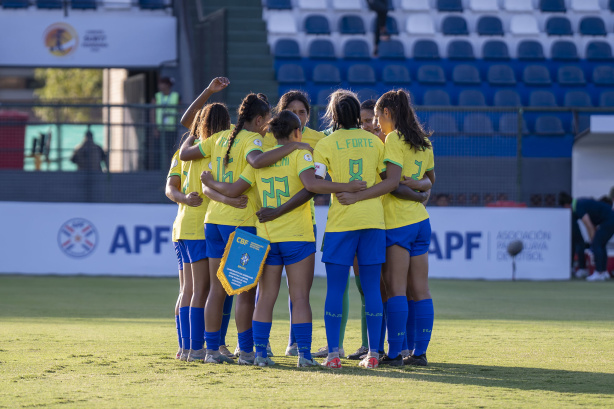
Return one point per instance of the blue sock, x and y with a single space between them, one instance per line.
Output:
226 318
374 309
382 334
213 340
396 320
178 325
411 325
303 338
184 320
292 338
246 340
424 325
197 327
262 332
336 281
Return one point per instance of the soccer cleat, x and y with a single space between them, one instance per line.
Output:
184 354
370 362
246 358
306 363
333 363
597 276
217 358
405 353
414 360
197 355
178 355
261 361
322 352
237 351
292 350
224 351
363 350
269 352
386 360
581 273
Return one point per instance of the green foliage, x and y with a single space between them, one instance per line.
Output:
110 342
73 85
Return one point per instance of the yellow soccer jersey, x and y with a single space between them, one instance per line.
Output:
215 147
415 164
311 137
276 185
191 220
175 170
352 154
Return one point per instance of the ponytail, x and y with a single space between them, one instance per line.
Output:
251 107
284 124
405 120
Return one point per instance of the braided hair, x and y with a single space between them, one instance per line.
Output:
405 120
214 118
343 110
252 106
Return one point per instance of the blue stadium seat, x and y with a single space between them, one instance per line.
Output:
592 26
431 74
436 97
606 99
391 25
603 75
552 6
495 50
530 50
471 98
558 26
508 125
291 73
478 124
287 48
449 5
152 4
426 50
443 123
611 5
454 26
279 4
49 4
361 74
542 99
460 50
490 26
571 76
351 25
548 125
356 49
598 51
326 74
466 75
578 99
501 75
322 49
15 4
391 50
536 75
564 51
317 24
507 98
83 4
367 93
396 74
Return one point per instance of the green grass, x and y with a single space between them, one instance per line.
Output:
110 342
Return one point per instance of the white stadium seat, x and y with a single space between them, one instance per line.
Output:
585 6
118 4
312 4
420 24
484 5
415 5
524 25
281 22
518 6
347 5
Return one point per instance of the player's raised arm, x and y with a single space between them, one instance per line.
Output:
216 85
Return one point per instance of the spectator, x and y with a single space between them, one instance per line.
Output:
443 200
598 218
488 199
381 31
461 199
475 199
88 156
161 147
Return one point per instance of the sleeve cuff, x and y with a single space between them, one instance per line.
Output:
253 149
173 174
308 167
391 161
246 179
430 169
200 148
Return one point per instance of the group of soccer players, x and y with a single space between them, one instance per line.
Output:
261 175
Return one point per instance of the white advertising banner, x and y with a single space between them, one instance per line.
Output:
50 39
135 239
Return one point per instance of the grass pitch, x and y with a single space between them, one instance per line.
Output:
110 342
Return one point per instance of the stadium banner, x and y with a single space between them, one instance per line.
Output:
135 239
86 40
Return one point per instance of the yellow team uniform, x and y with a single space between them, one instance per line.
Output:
175 170
277 184
215 148
400 212
347 155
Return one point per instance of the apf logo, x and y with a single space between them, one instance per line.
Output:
242 241
77 238
60 39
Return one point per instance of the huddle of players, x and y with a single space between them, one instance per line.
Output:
260 176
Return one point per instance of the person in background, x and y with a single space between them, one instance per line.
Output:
380 31
88 155
366 119
162 144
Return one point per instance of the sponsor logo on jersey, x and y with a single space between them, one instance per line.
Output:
308 157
